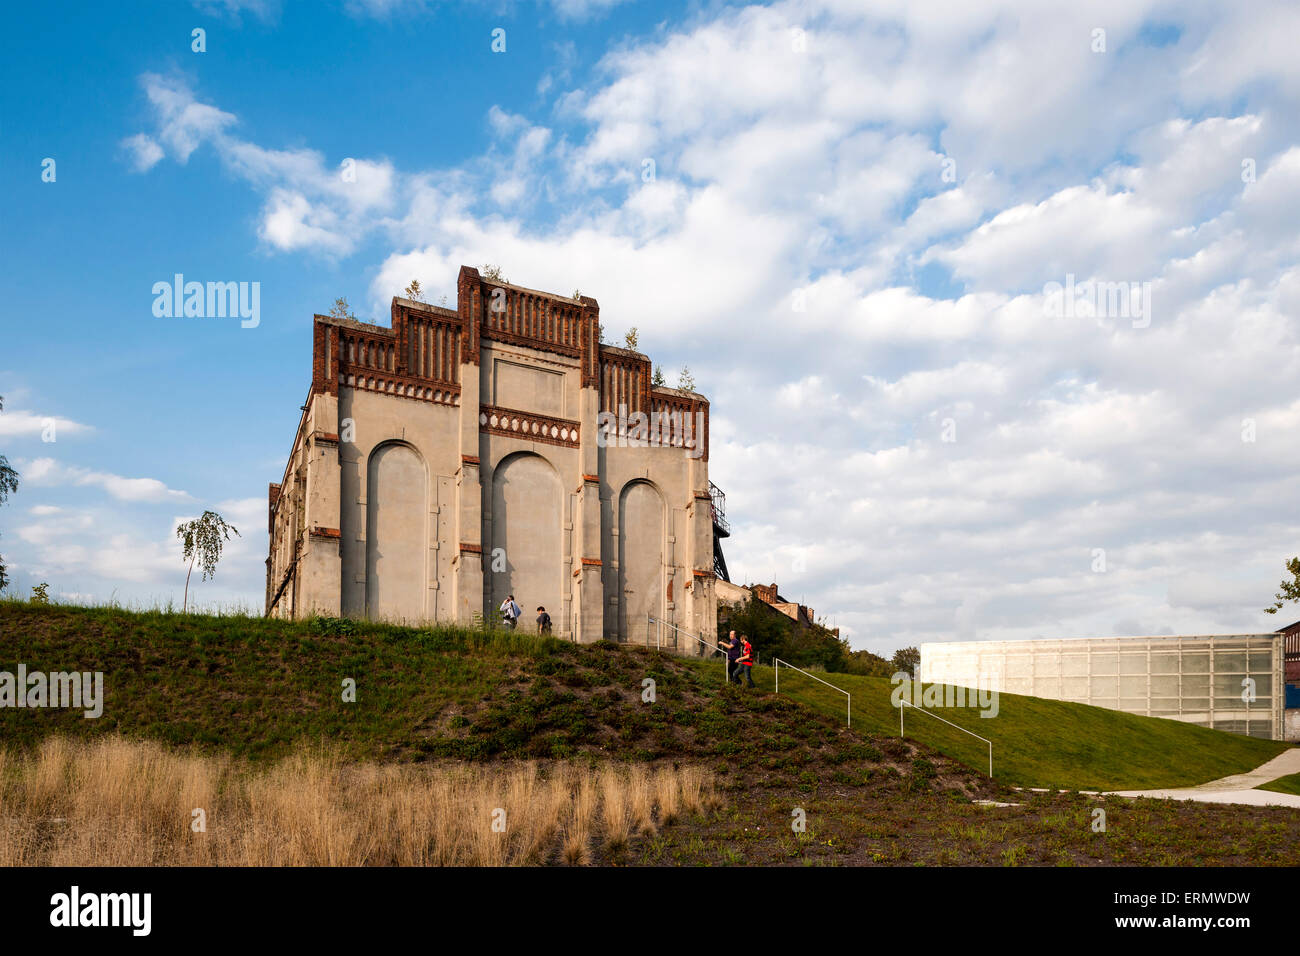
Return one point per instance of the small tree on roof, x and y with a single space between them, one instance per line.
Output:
341 310
8 485
201 541
1290 590
414 292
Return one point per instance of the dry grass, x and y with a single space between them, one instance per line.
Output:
116 802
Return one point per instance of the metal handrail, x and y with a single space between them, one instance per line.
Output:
776 668
903 703
658 643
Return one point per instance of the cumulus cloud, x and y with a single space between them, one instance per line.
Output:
17 422
144 150
49 472
309 203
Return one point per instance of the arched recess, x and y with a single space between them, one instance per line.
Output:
640 558
528 530
397 540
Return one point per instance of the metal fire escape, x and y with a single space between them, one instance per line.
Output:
720 530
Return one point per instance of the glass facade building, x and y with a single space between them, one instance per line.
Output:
1231 682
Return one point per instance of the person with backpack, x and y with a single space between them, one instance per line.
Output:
732 647
543 621
510 612
745 661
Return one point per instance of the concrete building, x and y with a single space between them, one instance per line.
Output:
499 448
1230 682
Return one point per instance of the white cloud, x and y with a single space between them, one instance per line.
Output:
145 151
48 472
20 422
818 170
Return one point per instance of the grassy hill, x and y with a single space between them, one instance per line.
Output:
1041 743
255 687
1288 784
243 695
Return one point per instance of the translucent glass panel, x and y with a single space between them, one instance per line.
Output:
1228 685
1164 686
1133 664
1019 665
1196 685
1195 679
1230 662
1164 663
1074 665
1074 688
1105 687
1105 663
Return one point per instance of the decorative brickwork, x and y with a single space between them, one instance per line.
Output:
516 424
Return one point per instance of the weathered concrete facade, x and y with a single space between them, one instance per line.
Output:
460 456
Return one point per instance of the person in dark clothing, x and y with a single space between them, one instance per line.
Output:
745 662
543 621
732 648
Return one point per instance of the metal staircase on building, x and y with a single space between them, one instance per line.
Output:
720 530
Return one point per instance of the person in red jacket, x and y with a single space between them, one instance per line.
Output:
745 663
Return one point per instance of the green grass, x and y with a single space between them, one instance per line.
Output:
256 687
249 684
1288 784
1038 742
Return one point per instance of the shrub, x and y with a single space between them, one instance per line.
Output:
333 626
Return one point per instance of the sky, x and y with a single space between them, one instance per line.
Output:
886 237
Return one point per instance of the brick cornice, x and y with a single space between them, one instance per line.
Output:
513 423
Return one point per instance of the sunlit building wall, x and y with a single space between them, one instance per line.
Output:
1206 680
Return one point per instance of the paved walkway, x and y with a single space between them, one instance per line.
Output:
1239 788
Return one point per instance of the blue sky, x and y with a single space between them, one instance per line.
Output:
914 175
